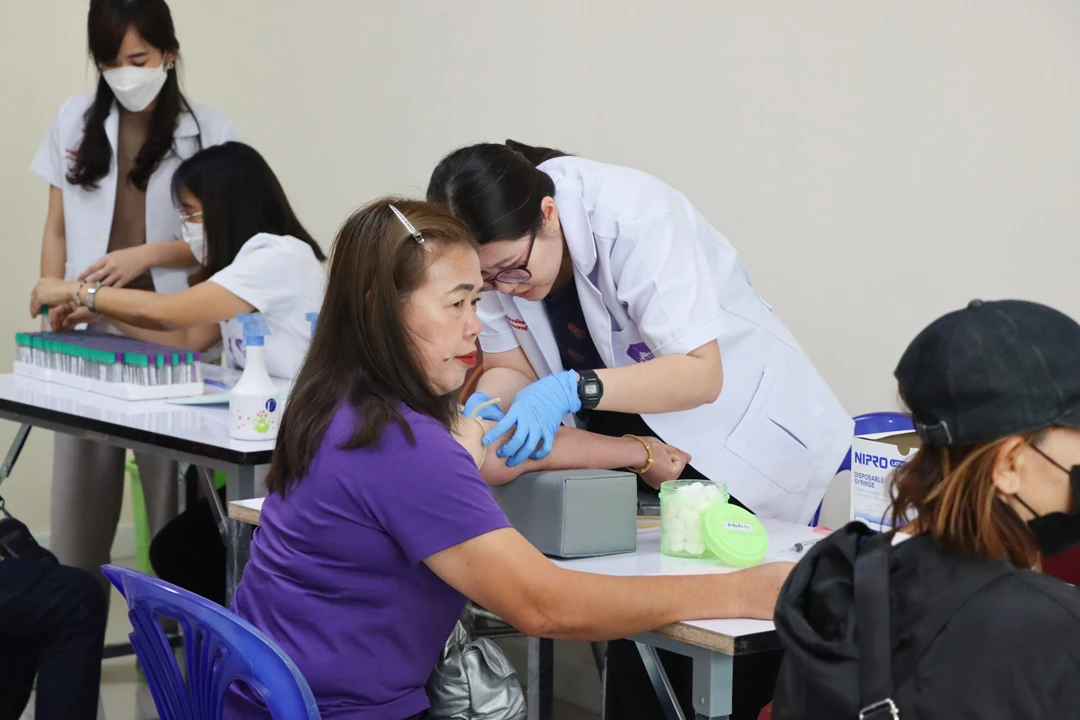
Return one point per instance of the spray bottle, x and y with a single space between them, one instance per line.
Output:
254 406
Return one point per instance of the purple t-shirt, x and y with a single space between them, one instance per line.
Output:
337 577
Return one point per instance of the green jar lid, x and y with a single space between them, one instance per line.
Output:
734 535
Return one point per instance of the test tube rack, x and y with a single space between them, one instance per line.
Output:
113 365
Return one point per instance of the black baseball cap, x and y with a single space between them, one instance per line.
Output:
992 370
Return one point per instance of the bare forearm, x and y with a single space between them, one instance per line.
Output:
53 255
665 384
597 607
174 253
136 308
573 448
193 338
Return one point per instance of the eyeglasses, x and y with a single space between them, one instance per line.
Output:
515 275
188 218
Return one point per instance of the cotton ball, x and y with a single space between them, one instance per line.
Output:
693 532
700 506
696 487
686 514
676 543
695 547
712 491
673 525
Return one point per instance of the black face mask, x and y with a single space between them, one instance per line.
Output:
1057 531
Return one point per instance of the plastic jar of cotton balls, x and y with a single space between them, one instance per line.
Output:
683 504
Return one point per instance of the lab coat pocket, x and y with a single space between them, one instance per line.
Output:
777 435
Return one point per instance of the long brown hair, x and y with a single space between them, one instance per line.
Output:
949 493
361 352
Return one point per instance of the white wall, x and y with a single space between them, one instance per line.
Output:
877 164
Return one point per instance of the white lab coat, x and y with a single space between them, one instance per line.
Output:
654 278
88 214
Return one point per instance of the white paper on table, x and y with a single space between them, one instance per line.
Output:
782 536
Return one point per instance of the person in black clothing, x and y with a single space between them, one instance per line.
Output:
970 628
52 625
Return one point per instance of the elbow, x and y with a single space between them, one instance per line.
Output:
542 623
548 615
495 472
710 390
705 391
710 380
534 623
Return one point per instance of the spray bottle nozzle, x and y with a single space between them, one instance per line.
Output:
255 329
312 317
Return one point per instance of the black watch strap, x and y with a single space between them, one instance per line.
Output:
589 389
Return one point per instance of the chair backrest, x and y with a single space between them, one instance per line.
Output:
219 648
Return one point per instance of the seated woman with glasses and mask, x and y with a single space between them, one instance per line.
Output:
949 615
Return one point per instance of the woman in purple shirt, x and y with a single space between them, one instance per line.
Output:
378 526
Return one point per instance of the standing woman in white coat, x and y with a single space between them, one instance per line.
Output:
109 158
627 308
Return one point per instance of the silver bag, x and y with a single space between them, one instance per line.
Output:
473 680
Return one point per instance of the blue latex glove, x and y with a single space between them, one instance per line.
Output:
491 412
536 414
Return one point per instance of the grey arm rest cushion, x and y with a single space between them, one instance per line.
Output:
573 513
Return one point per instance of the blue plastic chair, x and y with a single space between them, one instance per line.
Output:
870 424
219 648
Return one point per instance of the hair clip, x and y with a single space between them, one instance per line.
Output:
408 226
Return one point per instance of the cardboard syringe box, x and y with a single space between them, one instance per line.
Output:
873 460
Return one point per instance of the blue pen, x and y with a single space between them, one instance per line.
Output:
215 383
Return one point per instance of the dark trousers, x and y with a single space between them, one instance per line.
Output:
188 552
52 624
630 694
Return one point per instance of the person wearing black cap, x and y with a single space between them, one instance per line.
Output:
948 616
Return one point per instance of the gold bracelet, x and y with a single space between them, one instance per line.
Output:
648 452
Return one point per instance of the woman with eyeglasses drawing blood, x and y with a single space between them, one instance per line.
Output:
615 306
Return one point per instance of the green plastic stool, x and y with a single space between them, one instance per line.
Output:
138 512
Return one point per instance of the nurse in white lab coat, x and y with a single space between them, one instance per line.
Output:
673 327
605 273
109 158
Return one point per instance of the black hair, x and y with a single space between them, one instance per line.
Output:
496 190
107 23
241 197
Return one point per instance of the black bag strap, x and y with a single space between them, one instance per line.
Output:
873 631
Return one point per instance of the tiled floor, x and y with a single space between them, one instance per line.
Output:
125 696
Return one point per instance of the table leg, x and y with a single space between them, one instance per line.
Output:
541 678
599 652
669 704
13 451
240 486
713 684
712 675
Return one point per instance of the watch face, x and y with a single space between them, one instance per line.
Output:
592 388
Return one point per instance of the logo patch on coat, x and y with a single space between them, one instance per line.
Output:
518 324
639 352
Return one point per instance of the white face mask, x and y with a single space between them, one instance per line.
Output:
193 235
136 87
